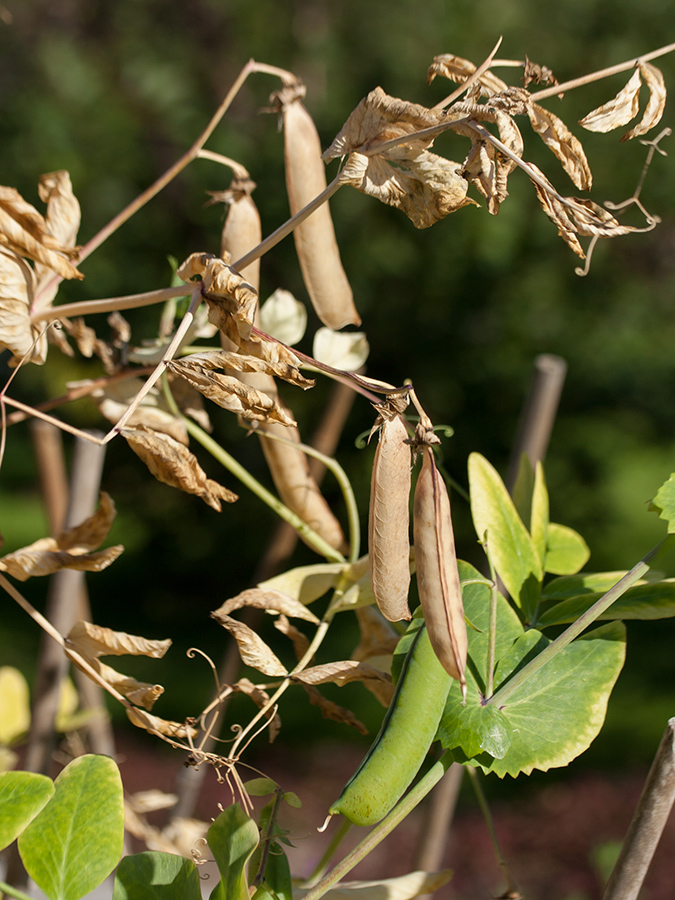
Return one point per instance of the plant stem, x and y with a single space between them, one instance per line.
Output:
586 619
230 463
511 890
385 827
13 892
324 862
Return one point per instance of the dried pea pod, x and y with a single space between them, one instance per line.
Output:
436 566
388 529
315 242
242 230
407 732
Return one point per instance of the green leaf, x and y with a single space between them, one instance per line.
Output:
232 838
643 601
14 704
156 876
278 873
566 550
292 799
76 841
539 516
22 796
586 583
553 716
664 503
260 787
523 489
509 543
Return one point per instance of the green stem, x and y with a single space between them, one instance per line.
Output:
345 486
230 463
323 863
492 626
385 827
512 891
586 619
13 892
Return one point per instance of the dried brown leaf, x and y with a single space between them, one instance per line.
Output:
17 287
344 672
72 549
563 144
93 641
300 640
618 111
253 650
316 246
655 105
459 70
261 698
536 74
230 393
176 730
332 711
62 222
173 464
237 362
228 295
138 692
388 518
271 601
556 211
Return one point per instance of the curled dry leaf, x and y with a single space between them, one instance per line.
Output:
17 288
230 393
72 549
260 698
316 246
228 295
388 518
332 711
300 640
424 186
88 343
154 724
275 602
173 464
253 650
344 672
655 105
237 362
62 222
153 411
93 641
437 575
563 144
459 70
536 74
618 111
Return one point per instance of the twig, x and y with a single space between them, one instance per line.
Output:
647 825
512 890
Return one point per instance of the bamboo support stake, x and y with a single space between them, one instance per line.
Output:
647 825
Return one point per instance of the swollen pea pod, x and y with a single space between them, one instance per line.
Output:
407 732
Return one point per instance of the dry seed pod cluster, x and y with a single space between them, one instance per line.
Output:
388 532
317 249
436 565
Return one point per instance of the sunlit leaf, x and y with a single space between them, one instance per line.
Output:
346 350
253 650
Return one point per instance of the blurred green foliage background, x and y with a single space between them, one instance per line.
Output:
115 92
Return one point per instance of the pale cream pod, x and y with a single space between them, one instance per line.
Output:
388 521
315 242
436 566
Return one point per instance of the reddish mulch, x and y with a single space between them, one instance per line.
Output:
549 837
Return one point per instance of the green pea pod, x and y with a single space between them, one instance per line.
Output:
407 732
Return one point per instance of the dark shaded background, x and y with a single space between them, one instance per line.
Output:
115 92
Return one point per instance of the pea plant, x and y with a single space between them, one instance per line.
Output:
473 666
